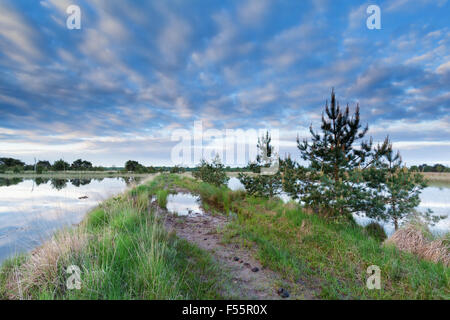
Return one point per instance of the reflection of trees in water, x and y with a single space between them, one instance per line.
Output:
59 184
40 181
131 180
80 182
10 181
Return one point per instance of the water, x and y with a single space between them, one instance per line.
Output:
434 197
31 210
234 184
184 204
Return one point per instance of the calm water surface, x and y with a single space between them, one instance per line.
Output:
184 204
31 210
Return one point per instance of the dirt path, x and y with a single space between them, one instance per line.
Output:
249 279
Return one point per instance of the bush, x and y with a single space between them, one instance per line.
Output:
376 231
60 165
134 166
212 173
81 164
264 184
17 169
176 169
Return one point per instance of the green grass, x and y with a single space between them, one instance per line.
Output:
332 256
161 197
123 252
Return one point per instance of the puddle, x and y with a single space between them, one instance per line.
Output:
184 204
234 184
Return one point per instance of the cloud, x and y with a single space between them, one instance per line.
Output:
252 12
420 144
174 38
136 71
443 68
357 17
18 39
397 5
222 44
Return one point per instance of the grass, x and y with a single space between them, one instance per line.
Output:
437 177
123 252
415 237
161 197
333 256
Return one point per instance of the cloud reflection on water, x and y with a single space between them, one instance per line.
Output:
31 212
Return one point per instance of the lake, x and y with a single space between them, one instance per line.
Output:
435 197
32 209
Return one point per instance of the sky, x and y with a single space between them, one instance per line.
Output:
137 74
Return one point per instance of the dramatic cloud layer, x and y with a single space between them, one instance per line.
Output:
135 72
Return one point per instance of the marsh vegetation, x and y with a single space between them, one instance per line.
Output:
125 252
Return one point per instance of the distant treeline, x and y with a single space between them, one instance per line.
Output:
427 168
42 166
17 166
136 167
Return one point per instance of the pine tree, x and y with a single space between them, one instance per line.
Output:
265 183
399 189
290 176
333 181
213 172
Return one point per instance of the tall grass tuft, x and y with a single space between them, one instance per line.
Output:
42 270
161 197
415 238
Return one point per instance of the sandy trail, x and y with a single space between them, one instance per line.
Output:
246 281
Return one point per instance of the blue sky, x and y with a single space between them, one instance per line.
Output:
118 88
